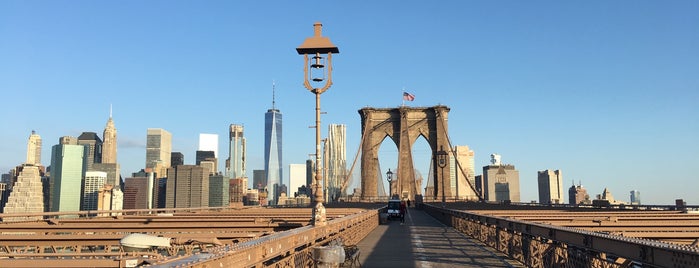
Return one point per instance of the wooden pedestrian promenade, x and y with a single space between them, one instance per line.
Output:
424 242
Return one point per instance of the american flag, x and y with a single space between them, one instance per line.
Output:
409 97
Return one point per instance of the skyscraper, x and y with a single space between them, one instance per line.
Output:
208 142
176 159
158 150
500 182
550 187
297 177
34 149
109 145
273 150
136 193
187 187
94 181
66 174
235 164
337 160
460 180
27 195
93 145
219 195
110 198
259 179
578 195
635 197
112 170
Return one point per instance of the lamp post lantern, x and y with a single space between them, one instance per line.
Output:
389 178
317 46
442 162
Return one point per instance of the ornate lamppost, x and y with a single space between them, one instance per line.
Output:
442 162
318 46
389 178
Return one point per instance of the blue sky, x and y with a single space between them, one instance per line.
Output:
607 92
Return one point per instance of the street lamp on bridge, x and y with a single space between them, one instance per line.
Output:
318 46
389 178
442 162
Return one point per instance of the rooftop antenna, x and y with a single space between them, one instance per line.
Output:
273 84
110 110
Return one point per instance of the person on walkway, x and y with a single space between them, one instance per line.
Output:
408 202
402 212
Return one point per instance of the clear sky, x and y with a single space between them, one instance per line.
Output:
606 91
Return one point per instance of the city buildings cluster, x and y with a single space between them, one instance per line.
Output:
84 175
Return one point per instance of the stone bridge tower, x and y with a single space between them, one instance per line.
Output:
403 125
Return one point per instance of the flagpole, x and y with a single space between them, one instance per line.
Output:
402 98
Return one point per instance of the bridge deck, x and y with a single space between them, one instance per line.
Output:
422 241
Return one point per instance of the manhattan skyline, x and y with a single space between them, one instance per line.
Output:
605 92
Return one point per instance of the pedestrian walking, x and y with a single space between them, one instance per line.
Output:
402 212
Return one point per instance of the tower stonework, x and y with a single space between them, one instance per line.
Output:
403 125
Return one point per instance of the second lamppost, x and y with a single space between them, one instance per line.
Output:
442 162
317 46
389 178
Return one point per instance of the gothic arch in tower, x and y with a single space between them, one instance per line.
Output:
403 125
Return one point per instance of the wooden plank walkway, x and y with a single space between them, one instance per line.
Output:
424 242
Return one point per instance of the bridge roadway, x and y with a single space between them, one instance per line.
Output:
422 241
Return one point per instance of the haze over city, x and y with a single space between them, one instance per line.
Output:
607 92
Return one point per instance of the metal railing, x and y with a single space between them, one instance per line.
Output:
542 245
283 249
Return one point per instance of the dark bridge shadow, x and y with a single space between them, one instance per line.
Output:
424 242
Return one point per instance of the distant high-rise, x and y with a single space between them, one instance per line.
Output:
4 195
337 161
500 182
109 145
635 197
93 145
237 189
297 177
208 160
136 193
204 156
112 170
176 159
94 181
578 195
110 198
550 187
310 171
34 149
259 179
187 187
219 195
209 166
273 149
208 142
67 171
235 164
27 195
466 163
158 150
